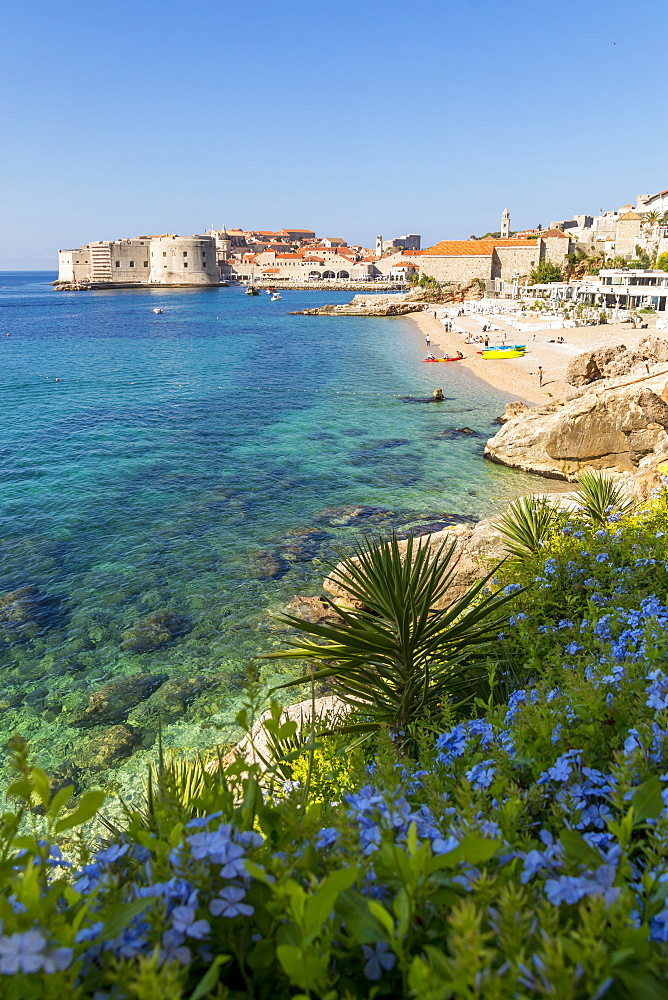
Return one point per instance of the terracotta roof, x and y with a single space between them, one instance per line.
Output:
314 260
271 270
470 248
554 232
629 217
406 263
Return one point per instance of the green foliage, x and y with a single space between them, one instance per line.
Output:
522 854
662 262
598 496
527 524
398 660
544 273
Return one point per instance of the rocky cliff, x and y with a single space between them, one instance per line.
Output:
619 425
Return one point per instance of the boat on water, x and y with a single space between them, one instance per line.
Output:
252 290
276 297
508 353
157 310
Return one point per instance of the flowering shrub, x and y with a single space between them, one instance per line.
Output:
524 855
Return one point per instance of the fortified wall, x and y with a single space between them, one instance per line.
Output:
144 260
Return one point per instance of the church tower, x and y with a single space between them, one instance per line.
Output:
379 246
505 224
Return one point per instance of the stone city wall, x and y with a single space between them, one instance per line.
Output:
507 261
130 261
456 269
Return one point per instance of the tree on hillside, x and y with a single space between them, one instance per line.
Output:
662 262
544 273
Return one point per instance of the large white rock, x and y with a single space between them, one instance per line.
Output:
612 426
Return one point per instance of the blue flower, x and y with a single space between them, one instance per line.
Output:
326 838
184 922
602 557
550 566
562 768
111 854
378 958
512 588
22 952
572 648
230 903
482 775
202 821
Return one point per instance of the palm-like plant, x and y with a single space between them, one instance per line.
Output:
598 496
527 524
399 659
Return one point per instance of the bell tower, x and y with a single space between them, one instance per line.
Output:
505 224
379 246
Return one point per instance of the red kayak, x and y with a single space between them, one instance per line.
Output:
436 360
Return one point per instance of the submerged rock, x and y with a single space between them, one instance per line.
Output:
114 701
352 514
157 629
266 565
20 614
451 434
169 702
302 546
110 747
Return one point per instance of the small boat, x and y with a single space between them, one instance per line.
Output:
276 297
487 355
251 290
428 360
157 310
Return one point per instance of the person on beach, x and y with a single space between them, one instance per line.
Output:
486 341
540 376
427 339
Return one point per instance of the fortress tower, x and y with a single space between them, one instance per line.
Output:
505 224
379 246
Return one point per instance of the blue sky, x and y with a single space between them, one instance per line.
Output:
351 118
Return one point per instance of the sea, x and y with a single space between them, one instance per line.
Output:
171 480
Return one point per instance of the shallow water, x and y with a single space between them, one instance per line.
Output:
173 448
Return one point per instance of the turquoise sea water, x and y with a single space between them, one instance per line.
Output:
139 488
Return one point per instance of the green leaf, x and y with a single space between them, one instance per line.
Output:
647 801
210 978
87 808
642 984
360 923
118 916
577 847
60 800
472 849
321 903
383 917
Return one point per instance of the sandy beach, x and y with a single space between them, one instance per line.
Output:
519 376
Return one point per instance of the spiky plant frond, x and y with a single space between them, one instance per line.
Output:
399 658
527 524
598 496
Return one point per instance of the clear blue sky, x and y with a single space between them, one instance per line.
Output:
352 118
